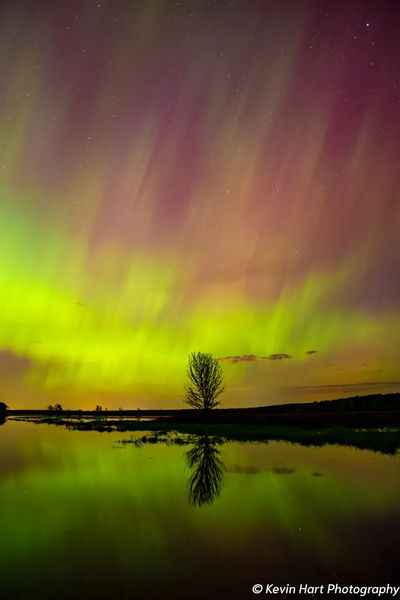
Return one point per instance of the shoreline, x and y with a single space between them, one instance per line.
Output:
383 440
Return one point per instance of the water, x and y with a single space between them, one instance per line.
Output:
84 516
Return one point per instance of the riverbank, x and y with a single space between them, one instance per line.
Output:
370 422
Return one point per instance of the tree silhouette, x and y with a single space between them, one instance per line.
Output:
3 412
205 381
207 471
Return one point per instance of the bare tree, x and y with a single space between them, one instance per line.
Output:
206 381
206 471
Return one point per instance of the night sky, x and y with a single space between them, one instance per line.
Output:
198 176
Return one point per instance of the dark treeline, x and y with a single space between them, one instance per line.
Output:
374 402
371 402
376 410
369 422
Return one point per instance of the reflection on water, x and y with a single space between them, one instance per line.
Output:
86 517
207 471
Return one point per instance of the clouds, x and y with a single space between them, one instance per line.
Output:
254 358
241 358
282 356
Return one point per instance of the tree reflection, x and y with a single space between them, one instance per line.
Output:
207 471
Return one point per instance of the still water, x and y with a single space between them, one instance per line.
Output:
86 516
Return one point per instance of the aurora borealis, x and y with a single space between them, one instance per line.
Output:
214 176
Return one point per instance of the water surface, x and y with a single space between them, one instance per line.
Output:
86 516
